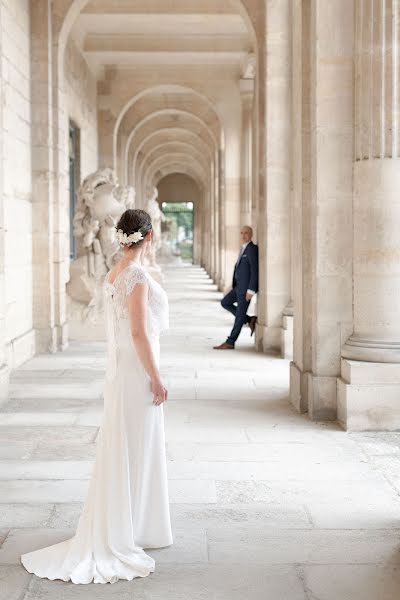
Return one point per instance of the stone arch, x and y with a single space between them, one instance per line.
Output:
178 131
148 91
179 161
168 111
174 145
67 12
171 168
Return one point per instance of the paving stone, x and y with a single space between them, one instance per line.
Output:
65 515
264 502
389 466
16 450
60 451
188 547
54 390
181 490
206 582
37 418
287 452
20 541
89 418
47 491
216 515
353 582
14 581
44 589
42 434
45 469
45 404
198 433
319 546
3 534
25 515
269 470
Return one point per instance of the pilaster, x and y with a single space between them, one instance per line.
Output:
274 227
322 200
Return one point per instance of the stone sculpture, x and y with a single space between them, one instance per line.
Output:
100 202
157 217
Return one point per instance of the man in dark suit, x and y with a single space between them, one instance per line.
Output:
244 286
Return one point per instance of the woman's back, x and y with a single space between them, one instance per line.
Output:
117 292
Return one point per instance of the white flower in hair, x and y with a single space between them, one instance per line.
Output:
132 238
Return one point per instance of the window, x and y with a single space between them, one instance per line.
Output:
74 180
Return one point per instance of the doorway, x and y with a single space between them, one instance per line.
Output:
178 228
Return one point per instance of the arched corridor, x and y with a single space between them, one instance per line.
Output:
264 502
282 115
275 130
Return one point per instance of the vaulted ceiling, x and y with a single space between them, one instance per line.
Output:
120 33
136 46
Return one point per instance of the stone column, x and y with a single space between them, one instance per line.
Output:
300 367
203 228
229 180
369 389
221 221
322 203
274 229
198 218
106 123
215 217
4 370
247 96
211 218
43 176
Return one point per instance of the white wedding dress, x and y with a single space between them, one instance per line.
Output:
126 508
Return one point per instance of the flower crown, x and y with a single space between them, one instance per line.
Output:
132 238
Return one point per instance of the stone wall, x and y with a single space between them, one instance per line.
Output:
81 102
18 207
17 336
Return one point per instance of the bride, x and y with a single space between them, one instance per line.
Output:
126 508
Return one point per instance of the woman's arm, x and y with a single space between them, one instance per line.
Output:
137 306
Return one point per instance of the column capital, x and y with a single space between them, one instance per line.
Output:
246 87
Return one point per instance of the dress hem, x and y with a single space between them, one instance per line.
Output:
111 580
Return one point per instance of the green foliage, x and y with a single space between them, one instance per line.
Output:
182 215
178 215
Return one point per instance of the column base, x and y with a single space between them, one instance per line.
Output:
63 336
298 388
376 351
221 285
287 337
52 339
268 339
312 394
322 397
369 396
21 349
4 382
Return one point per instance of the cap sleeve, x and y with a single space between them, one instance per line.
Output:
134 276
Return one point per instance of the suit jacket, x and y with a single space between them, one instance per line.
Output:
245 275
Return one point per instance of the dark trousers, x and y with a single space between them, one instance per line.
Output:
239 312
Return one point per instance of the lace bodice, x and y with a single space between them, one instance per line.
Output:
117 294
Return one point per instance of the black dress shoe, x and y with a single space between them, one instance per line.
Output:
224 346
252 325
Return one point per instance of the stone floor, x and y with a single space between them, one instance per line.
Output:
265 504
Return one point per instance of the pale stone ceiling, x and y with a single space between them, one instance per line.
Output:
151 38
121 33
